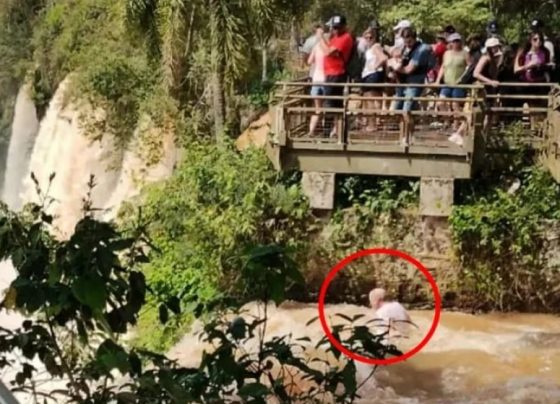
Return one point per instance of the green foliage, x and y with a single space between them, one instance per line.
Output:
365 203
500 239
71 35
203 218
87 291
468 16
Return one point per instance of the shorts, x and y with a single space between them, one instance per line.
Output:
407 92
374 78
317 91
453 92
335 91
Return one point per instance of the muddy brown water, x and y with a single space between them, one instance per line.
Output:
489 358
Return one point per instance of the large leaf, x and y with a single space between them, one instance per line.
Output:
112 356
90 290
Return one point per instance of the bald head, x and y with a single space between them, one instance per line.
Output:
376 297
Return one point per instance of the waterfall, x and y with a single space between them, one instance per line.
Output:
59 145
63 148
24 130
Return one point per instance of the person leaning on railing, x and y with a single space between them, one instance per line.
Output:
489 67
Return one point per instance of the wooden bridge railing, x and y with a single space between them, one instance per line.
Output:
371 124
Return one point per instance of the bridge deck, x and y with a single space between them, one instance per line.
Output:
365 135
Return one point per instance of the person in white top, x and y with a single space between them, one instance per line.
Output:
392 316
399 41
373 73
317 59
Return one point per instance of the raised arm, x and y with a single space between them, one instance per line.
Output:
329 50
518 67
311 58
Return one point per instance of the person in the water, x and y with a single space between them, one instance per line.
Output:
394 316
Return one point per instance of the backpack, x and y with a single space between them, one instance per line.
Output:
468 77
432 62
356 62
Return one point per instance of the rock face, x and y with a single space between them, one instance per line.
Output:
256 134
135 172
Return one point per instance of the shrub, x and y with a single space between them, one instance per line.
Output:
86 292
500 239
202 219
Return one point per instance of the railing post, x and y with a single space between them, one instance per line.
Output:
343 123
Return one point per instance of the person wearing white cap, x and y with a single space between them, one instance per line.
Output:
399 41
490 63
489 67
455 62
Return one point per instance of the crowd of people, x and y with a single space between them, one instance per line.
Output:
336 56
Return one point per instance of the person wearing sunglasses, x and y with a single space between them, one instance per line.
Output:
532 65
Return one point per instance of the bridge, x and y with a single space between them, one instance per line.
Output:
364 135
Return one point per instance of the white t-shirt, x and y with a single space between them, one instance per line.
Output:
370 62
395 312
319 65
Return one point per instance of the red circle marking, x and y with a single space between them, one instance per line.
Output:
394 253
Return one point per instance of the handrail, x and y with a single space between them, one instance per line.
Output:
362 98
406 85
372 85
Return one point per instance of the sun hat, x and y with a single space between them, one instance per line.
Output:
402 24
454 37
492 43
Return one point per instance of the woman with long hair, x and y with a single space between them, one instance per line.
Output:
373 72
531 64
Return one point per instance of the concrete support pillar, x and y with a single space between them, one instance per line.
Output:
436 196
319 188
436 203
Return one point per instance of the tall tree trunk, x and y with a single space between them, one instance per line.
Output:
294 35
264 54
218 103
217 81
294 39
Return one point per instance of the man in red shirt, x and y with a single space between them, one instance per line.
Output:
439 49
338 51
